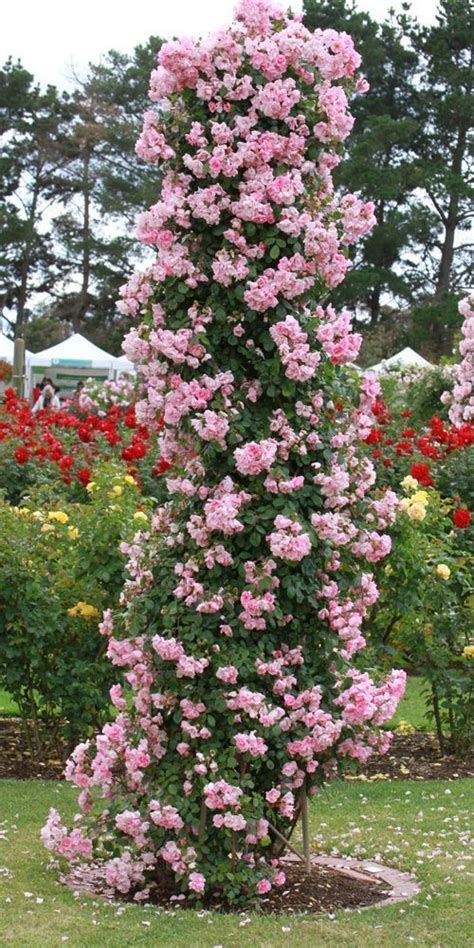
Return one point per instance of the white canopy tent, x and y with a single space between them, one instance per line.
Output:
405 358
122 364
74 360
76 351
7 347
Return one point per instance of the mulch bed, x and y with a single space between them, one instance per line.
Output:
322 890
417 757
16 759
411 757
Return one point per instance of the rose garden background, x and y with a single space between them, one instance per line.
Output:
217 578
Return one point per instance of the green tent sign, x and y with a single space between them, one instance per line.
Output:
77 363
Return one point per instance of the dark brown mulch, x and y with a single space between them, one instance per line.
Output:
322 890
411 757
16 759
417 757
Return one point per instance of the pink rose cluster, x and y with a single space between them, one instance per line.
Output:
253 580
461 399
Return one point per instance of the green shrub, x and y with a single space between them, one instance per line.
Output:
59 567
423 618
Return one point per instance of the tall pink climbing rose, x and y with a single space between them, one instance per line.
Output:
246 597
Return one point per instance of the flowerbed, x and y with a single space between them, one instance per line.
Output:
59 449
61 564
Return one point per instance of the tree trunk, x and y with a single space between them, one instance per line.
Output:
451 222
80 308
26 258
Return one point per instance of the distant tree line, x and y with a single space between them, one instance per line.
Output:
71 185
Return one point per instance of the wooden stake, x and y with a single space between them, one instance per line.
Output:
305 825
202 819
284 840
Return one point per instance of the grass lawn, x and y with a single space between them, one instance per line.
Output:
412 707
412 825
8 708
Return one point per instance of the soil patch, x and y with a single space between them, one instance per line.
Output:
417 757
323 889
17 760
411 757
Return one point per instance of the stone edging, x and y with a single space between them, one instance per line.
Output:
403 884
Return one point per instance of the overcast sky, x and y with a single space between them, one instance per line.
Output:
53 36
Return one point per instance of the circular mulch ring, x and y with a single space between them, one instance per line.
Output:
333 883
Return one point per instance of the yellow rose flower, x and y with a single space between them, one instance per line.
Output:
73 532
443 571
468 651
58 515
140 515
47 528
416 512
405 503
85 610
89 612
116 491
409 483
421 497
37 515
129 479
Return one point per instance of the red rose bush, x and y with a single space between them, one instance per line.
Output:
247 593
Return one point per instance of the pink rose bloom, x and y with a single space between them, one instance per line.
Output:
255 457
197 882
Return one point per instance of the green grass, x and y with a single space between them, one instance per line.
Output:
411 825
412 707
8 708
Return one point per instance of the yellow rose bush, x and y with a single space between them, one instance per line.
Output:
59 567
424 616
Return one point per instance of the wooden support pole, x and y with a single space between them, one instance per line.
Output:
286 841
18 377
305 825
202 819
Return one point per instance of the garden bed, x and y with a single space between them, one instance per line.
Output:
323 889
417 757
411 757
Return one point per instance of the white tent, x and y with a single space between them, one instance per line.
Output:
7 347
76 351
403 359
122 364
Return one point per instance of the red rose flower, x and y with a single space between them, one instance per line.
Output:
161 467
461 518
84 476
66 462
421 473
21 455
